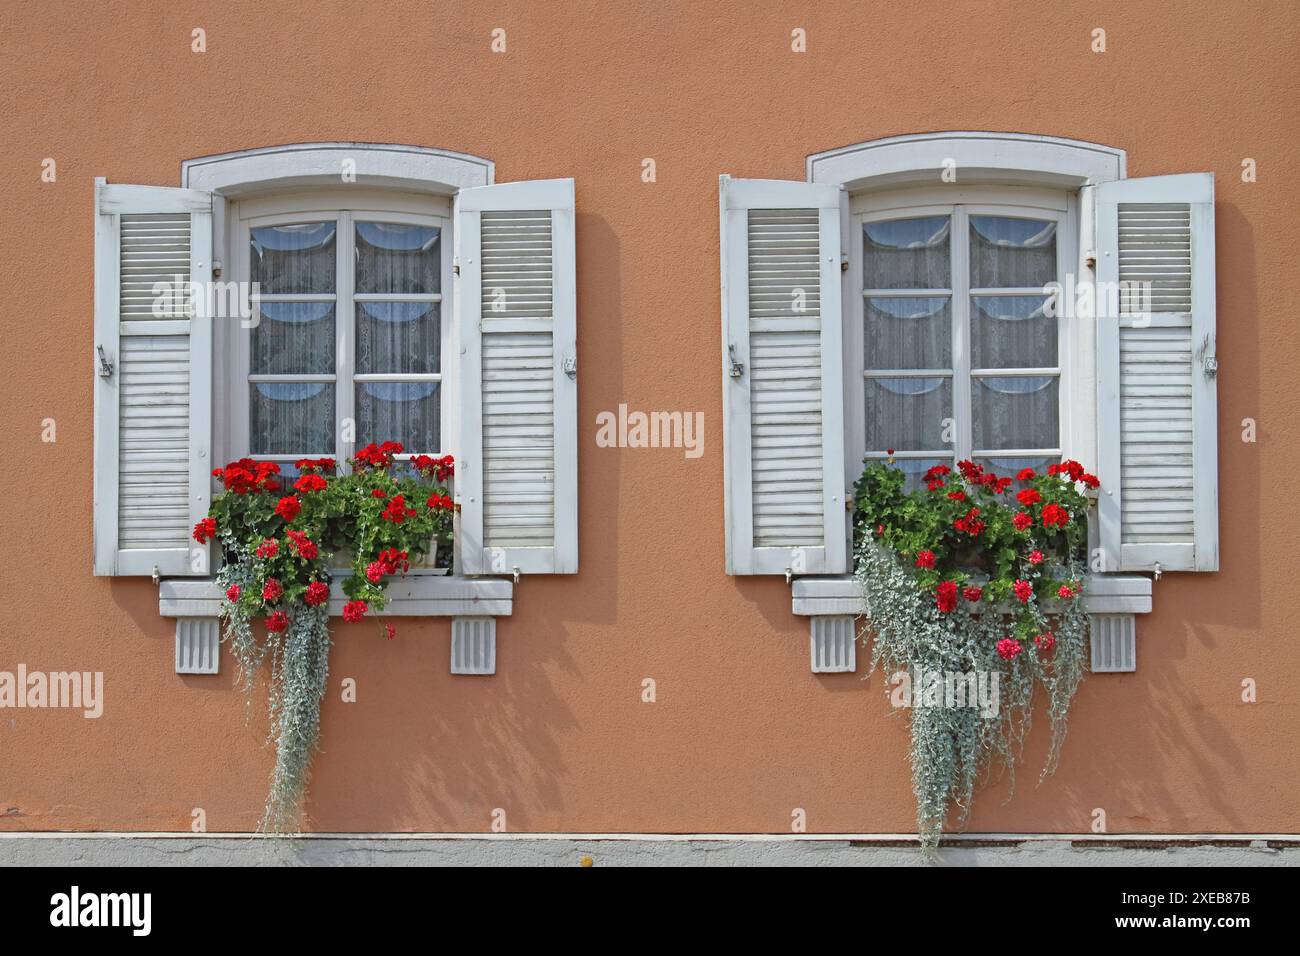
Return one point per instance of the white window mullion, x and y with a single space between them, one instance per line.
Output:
345 321
961 344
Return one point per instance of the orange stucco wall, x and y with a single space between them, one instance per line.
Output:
741 732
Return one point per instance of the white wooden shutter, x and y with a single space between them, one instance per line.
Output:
152 362
517 470
783 427
1156 395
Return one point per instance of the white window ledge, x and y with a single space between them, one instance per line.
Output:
841 594
417 596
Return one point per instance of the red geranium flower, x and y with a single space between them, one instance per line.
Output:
925 559
272 591
277 622
440 502
310 482
1024 591
1026 474
972 593
1092 481
1055 515
1022 520
1008 648
269 548
1045 642
232 593
390 630
1064 592
318 592
288 508
205 529
378 493
1035 556
938 471
957 495
353 611
393 561
945 596
374 572
314 464
1028 496
397 511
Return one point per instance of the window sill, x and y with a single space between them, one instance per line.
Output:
416 596
841 594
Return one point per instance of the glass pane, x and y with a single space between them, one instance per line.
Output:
291 418
1012 331
292 338
907 414
398 337
400 411
1010 467
907 254
914 468
398 258
1007 252
908 332
1015 412
293 259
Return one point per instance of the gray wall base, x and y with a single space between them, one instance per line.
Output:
401 850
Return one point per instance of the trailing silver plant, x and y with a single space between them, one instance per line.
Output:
953 746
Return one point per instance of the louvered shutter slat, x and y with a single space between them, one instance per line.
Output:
1156 393
516 480
153 410
783 427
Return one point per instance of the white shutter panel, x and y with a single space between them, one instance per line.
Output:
783 427
517 470
1156 395
153 388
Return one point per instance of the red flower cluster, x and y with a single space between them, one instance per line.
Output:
1075 472
272 591
277 622
269 548
934 477
288 508
972 593
440 501
232 593
925 559
1028 496
246 476
1026 474
205 530
970 524
1036 556
945 596
1055 515
397 511
1008 648
354 611
394 561
318 592
378 493
1022 520
379 457
308 483
303 546
1024 590
439 468
308 465
976 475
1066 592
1045 642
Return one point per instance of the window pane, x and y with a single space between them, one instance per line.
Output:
400 411
907 414
292 338
906 254
398 258
398 337
293 259
1012 331
1015 412
908 332
914 468
291 418
1013 466
1007 252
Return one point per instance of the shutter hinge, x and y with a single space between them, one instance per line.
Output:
737 368
216 268
105 366
455 266
515 573
570 366
157 577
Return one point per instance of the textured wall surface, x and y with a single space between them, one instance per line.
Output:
741 733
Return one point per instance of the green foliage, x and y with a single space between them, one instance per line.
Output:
1018 615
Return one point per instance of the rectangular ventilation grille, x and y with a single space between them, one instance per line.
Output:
785 377
474 645
155 248
198 645
515 249
1114 643
834 645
